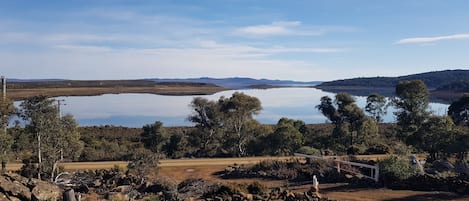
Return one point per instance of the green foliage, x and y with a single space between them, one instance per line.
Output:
376 105
412 104
225 125
154 136
287 138
352 127
435 136
238 111
395 168
176 146
459 110
143 164
431 79
309 151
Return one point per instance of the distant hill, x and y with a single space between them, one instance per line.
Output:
240 82
446 85
433 79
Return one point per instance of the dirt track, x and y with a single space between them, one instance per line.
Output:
162 163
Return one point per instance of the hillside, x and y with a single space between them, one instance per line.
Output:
433 79
240 82
445 85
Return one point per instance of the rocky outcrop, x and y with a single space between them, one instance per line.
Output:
14 187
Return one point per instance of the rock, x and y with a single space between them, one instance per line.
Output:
116 196
97 183
69 195
122 189
14 188
442 166
3 197
46 191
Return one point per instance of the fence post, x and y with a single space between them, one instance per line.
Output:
338 166
376 177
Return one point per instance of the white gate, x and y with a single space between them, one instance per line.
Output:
374 173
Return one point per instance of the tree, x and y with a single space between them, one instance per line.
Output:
43 122
154 136
328 109
176 146
376 105
459 111
71 146
287 136
351 124
208 120
7 110
238 111
412 105
435 136
55 137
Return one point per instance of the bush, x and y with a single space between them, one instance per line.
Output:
309 151
256 188
394 169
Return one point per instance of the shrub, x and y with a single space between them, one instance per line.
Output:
309 150
394 169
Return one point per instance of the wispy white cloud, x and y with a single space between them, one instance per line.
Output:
432 39
276 28
289 28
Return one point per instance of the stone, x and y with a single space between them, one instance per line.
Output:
69 195
3 197
43 191
14 188
116 196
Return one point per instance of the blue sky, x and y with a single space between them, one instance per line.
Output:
305 40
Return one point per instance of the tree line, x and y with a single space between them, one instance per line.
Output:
226 127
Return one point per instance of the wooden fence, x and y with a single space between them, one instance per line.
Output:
374 173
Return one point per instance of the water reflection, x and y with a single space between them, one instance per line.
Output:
136 110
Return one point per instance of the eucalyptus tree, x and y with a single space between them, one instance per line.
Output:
352 126
207 117
412 104
154 137
55 136
7 110
287 136
459 110
238 112
376 105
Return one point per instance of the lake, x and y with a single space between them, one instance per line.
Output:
136 110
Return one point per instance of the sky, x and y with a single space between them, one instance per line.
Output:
303 40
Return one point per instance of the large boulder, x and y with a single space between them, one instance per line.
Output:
43 191
14 188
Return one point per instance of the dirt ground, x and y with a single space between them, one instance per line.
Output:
340 192
181 169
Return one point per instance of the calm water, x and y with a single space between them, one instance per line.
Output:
136 110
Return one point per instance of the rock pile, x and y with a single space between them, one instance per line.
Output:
14 187
112 185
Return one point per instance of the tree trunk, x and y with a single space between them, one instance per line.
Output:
39 156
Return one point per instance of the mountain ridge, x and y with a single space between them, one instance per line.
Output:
432 79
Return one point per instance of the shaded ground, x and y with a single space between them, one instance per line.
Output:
332 191
180 170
